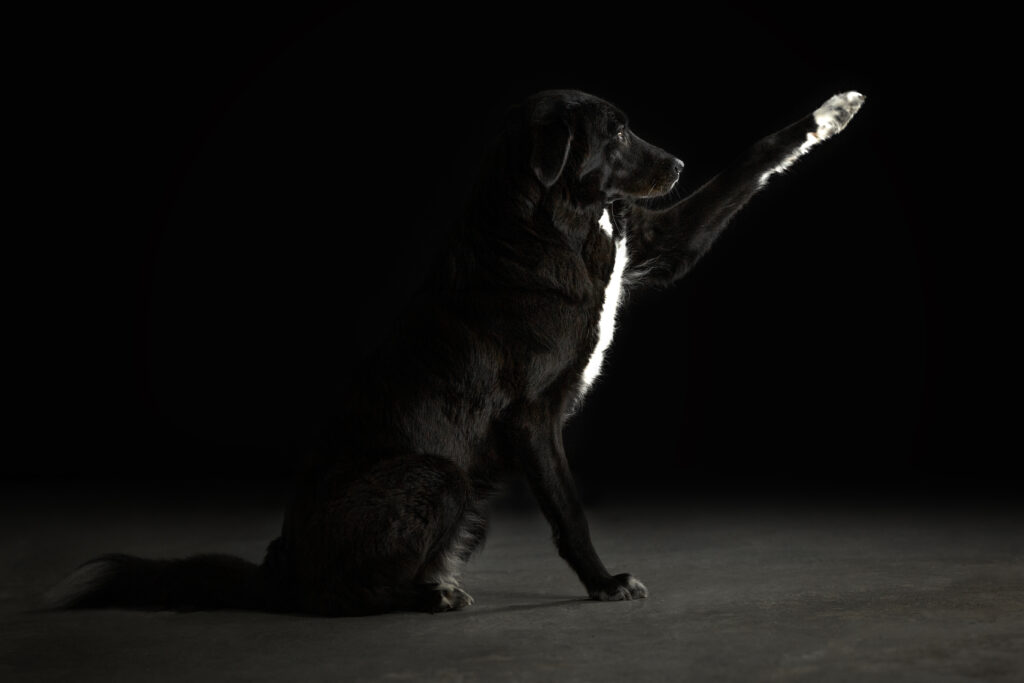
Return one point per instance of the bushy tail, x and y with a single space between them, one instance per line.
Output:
198 582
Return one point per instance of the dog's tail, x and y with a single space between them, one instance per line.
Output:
193 583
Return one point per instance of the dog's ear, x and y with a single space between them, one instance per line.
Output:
551 140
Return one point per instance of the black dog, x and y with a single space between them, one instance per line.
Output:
500 346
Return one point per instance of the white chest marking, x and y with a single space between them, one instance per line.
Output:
612 298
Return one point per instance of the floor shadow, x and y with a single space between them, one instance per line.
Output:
490 608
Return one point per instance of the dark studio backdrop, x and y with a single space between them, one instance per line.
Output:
211 261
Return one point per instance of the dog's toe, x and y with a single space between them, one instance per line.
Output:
620 587
451 597
836 112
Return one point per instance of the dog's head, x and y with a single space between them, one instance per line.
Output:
585 142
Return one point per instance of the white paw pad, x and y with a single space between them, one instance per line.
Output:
830 118
833 116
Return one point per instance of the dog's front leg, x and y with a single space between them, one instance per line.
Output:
665 244
548 473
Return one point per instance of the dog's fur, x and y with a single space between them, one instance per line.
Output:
500 345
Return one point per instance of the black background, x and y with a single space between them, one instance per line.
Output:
227 208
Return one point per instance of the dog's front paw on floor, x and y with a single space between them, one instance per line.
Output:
620 587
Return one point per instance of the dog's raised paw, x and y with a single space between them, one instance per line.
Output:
620 587
829 119
837 111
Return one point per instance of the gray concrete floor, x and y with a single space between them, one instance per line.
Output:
750 592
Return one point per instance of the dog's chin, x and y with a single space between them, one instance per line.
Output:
669 186
650 193
660 190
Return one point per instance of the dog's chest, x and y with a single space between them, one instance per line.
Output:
612 299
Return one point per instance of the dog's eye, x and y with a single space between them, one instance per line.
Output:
621 135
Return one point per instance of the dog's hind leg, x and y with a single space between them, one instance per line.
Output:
664 244
436 587
392 539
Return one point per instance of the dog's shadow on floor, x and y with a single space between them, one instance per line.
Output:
502 603
494 603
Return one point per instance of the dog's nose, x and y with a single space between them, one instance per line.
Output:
679 165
